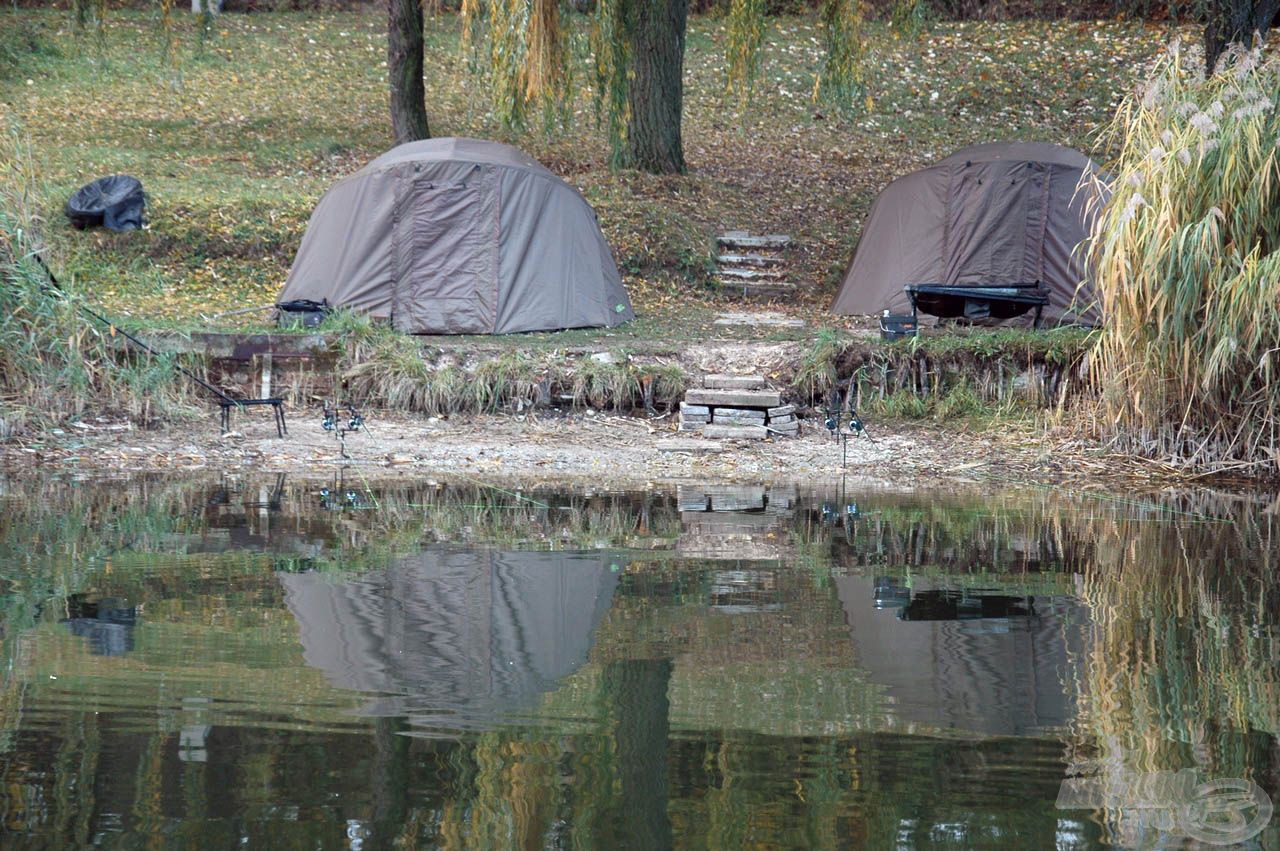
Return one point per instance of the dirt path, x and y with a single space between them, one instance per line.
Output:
610 449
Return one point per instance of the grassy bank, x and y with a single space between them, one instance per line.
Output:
56 364
237 139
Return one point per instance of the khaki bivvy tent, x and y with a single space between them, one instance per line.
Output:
1000 215
459 236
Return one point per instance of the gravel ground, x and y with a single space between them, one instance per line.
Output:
604 448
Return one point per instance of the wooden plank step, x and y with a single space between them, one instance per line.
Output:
751 274
731 382
740 239
734 398
749 259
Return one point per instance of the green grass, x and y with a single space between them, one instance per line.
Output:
1054 346
236 146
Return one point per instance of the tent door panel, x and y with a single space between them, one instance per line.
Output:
993 207
1036 200
446 259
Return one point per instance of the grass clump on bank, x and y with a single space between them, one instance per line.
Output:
980 374
1188 257
382 367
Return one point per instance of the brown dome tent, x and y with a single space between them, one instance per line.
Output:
1000 216
459 236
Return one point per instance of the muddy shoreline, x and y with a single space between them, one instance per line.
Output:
590 447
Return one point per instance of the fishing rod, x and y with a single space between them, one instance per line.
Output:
57 289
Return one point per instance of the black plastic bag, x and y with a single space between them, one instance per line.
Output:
116 202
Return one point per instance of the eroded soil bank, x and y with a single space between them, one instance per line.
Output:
611 450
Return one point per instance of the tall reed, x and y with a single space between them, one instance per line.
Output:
1188 271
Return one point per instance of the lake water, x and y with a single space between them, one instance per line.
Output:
264 663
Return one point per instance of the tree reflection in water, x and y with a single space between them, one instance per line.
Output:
715 666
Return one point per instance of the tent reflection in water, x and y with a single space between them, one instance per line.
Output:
461 637
998 667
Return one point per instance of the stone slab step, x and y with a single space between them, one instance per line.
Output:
782 411
765 318
753 414
732 382
742 239
736 502
730 419
748 260
695 447
734 398
721 521
735 274
740 413
735 432
758 289
695 410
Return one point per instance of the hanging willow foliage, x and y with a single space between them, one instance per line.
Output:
100 13
840 82
171 56
166 24
523 48
527 55
746 35
611 46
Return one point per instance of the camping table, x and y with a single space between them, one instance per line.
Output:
1019 298
277 410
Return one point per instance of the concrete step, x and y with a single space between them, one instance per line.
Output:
728 274
742 239
734 398
748 260
733 382
735 432
736 419
758 289
694 447
767 318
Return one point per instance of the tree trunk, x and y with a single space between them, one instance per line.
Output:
1235 22
404 68
656 89
639 711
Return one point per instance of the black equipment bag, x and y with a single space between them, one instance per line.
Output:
116 202
304 312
